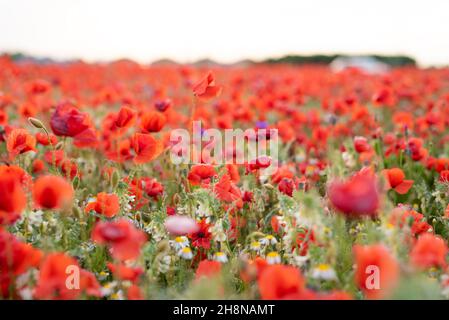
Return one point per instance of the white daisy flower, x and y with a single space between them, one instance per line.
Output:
273 258
180 242
324 272
221 257
185 253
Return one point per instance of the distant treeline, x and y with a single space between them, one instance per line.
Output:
394 61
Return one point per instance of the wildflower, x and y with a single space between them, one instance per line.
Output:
371 262
16 258
255 246
201 173
361 144
12 197
181 225
280 282
395 179
220 257
227 191
324 272
20 141
429 251
125 118
146 147
273 257
46 139
124 239
207 268
125 273
152 122
185 253
202 237
105 204
52 192
180 242
52 282
357 196
269 239
415 220
206 87
68 121
163 105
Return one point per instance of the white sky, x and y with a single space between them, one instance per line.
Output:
225 30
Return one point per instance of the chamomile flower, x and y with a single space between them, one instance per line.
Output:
220 257
273 257
255 246
180 242
324 272
185 253
271 239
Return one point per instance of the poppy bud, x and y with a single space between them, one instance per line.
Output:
76 182
36 123
114 179
60 145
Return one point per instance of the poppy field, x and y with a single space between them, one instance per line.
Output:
92 205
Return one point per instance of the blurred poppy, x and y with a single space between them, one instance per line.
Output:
429 251
124 239
377 271
357 196
206 88
52 192
279 282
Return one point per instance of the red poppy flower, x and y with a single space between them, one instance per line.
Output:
124 240
396 180
403 217
146 147
208 268
152 122
227 191
202 237
123 272
12 197
105 204
68 121
206 88
45 140
361 144
15 258
371 262
20 141
52 282
201 173
125 118
134 293
279 282
444 176
356 196
38 166
429 251
52 192
152 187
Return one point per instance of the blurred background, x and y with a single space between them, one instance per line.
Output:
225 31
